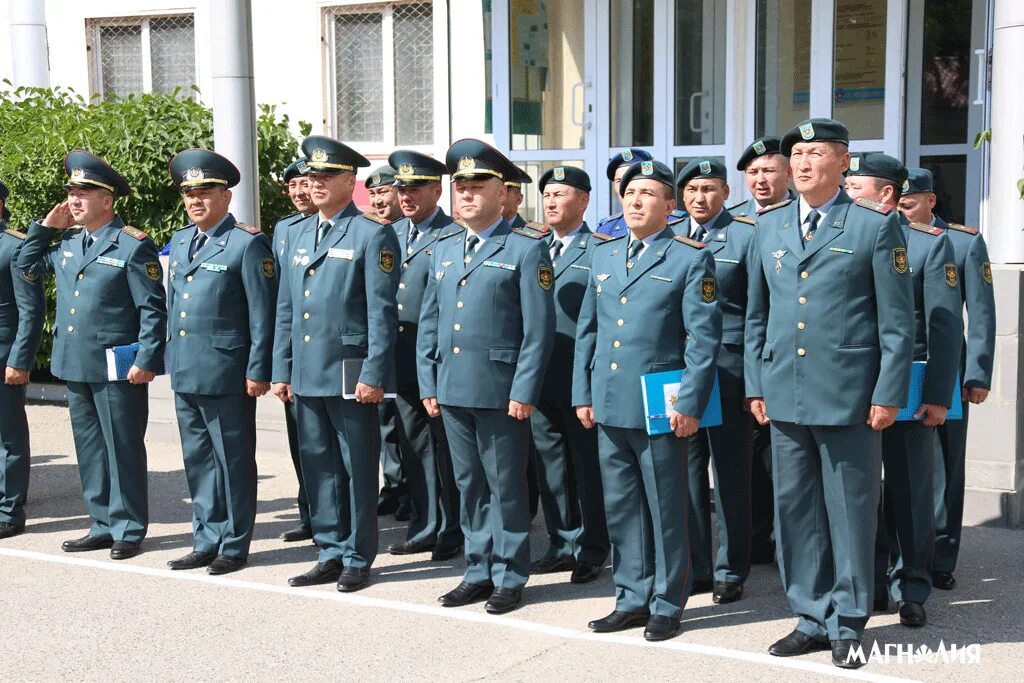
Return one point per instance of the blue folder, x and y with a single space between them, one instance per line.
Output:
659 388
916 391
120 360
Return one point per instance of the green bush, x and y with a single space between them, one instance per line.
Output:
137 135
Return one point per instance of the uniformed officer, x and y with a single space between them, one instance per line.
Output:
394 494
569 474
906 526
336 306
828 351
220 303
298 191
728 446
615 224
110 293
22 311
486 332
971 257
514 198
647 293
434 526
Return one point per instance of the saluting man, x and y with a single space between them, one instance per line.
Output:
110 293
336 303
729 445
828 352
22 311
647 293
486 331
220 303
569 474
971 256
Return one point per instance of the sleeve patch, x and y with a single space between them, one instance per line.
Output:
387 260
546 277
153 271
707 289
951 275
31 277
899 260
986 272
268 267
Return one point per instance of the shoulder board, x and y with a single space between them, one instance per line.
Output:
676 222
251 229
964 228
609 219
686 240
134 232
873 205
449 234
744 219
528 232
539 227
772 207
925 228
601 236
736 205
15 233
291 215
376 219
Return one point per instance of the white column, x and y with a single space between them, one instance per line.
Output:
234 100
1006 210
30 58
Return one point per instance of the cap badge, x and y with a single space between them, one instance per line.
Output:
77 174
705 167
627 155
375 179
405 169
302 166
318 155
466 162
855 164
807 131
759 147
194 174
906 186
647 167
558 173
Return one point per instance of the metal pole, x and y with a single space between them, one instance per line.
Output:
1006 209
29 55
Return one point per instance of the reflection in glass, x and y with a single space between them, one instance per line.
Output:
950 186
859 67
783 54
632 73
946 72
700 72
546 73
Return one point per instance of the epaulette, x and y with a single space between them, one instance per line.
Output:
925 228
772 207
744 219
736 205
251 229
609 219
449 234
15 233
539 227
677 221
964 228
134 232
376 219
878 207
291 215
686 240
527 231
601 236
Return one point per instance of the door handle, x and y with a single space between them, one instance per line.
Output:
694 114
576 117
982 54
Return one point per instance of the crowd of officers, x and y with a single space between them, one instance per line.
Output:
514 352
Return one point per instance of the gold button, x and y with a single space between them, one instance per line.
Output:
802 300
458 327
188 279
401 328
312 271
80 276
181 333
184 314
185 295
401 285
306 293
805 275
400 307
801 352
305 316
617 344
800 325
456 349
462 282
71 328
306 338
405 265
77 293
459 305
623 300
615 366
620 322
72 311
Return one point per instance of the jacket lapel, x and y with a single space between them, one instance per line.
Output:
489 248
336 233
654 255
830 227
575 252
790 231
215 244
104 242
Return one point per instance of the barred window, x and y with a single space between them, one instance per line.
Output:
130 55
383 80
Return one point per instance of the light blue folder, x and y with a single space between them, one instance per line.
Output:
916 391
120 360
660 388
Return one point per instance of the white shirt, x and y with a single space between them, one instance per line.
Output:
805 210
567 240
484 235
647 242
703 229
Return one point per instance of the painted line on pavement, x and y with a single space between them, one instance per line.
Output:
458 615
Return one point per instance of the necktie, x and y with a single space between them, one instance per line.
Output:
89 239
197 244
321 230
414 237
812 224
471 242
698 232
556 248
634 249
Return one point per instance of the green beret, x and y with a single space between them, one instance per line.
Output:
758 148
878 165
919 180
566 175
702 167
625 158
653 170
385 175
814 130
295 169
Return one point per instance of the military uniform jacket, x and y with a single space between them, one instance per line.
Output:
572 275
415 274
280 237
221 310
660 315
111 296
336 301
829 329
749 208
22 305
938 310
487 327
971 256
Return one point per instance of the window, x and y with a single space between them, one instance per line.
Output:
383 73
130 55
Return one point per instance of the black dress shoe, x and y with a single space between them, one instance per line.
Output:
87 543
225 565
726 592
504 600
585 573
353 578
881 604
841 650
912 614
701 586
323 572
123 550
466 593
404 511
619 621
299 533
410 548
194 560
763 554
553 565
661 628
442 554
387 505
8 530
797 643
943 581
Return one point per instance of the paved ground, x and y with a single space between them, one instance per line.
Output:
89 618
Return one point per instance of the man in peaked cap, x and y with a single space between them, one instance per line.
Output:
646 292
337 318
220 301
22 310
615 225
486 332
569 474
110 294
813 257
514 197
427 462
971 257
